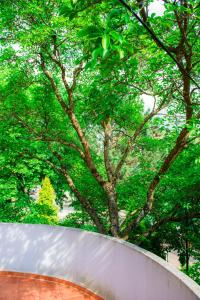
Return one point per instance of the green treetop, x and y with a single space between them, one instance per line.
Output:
47 194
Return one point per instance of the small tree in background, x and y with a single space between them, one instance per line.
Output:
46 201
45 210
47 194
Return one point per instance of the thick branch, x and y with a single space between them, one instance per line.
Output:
84 202
175 151
54 86
70 113
107 135
181 143
84 142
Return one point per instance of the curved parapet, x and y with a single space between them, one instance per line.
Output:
112 268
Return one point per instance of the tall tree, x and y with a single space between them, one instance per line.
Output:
76 90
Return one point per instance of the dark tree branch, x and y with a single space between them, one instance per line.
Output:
163 221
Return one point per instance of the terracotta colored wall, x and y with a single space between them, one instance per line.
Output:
112 268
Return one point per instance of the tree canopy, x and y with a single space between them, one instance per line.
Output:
90 99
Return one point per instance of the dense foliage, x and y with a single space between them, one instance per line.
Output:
75 80
194 272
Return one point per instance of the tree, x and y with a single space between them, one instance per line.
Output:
47 194
44 211
74 91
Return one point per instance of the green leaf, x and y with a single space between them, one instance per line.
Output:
91 64
105 53
121 53
97 52
105 41
116 36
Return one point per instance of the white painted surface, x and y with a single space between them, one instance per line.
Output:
114 269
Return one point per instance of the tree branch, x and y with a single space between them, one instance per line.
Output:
84 202
132 140
175 151
107 131
54 86
76 73
161 222
69 111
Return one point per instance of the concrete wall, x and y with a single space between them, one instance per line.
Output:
112 268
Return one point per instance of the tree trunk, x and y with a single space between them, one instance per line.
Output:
113 209
187 256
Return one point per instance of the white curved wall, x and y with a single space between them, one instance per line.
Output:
114 269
